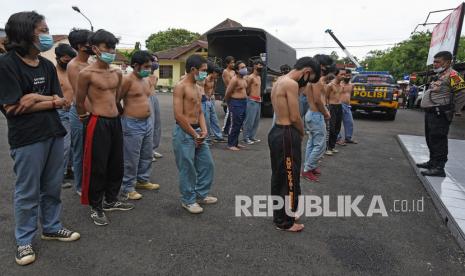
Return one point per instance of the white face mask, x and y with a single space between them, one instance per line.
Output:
439 70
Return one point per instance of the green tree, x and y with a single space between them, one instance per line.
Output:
170 38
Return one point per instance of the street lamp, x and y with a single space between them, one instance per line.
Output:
79 11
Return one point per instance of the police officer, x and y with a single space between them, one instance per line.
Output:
444 97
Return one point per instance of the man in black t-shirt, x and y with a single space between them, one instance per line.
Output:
29 96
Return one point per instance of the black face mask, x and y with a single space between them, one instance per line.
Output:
89 51
259 70
302 82
63 65
347 80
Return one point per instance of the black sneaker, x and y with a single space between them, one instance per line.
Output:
425 165
222 140
62 235
99 217
25 254
117 206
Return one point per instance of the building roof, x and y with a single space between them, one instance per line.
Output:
228 23
175 53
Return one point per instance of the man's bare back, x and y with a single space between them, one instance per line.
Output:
135 94
100 86
228 75
284 98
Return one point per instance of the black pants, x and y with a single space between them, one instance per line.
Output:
334 124
285 152
436 131
102 160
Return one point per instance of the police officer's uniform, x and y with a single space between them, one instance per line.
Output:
444 97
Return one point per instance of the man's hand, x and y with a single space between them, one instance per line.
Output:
200 139
26 102
327 115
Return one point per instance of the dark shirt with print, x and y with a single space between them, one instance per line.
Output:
18 79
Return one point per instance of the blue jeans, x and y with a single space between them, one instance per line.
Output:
64 117
252 118
195 166
213 125
237 109
303 105
77 146
206 115
348 122
137 151
316 144
155 117
39 175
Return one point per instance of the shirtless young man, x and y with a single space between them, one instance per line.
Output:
347 119
103 147
193 157
335 108
137 127
228 74
155 104
79 40
285 139
236 97
63 54
254 101
209 88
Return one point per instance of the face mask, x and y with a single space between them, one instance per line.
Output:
243 71
45 42
347 80
107 57
63 65
439 70
302 82
155 66
144 73
201 76
89 51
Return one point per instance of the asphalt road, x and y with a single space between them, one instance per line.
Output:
159 237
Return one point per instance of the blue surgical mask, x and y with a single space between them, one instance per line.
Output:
155 66
144 73
45 42
201 76
107 57
243 71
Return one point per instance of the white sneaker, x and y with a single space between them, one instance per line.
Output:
208 200
157 154
335 150
329 152
193 208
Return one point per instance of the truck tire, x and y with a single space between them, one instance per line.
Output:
391 115
267 111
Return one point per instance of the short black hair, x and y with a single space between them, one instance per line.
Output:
64 50
324 60
154 56
308 62
20 31
228 59
140 57
102 36
210 67
78 37
195 61
348 71
445 55
258 61
285 68
236 66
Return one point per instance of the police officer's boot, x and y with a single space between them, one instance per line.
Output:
425 165
436 171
